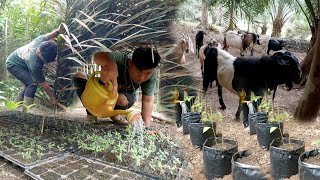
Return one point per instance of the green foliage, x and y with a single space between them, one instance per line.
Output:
137 147
298 27
10 88
29 18
213 116
104 25
189 10
282 116
7 95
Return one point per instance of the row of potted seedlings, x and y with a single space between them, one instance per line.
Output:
221 156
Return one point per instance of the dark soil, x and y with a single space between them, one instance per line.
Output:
222 146
252 159
50 176
313 160
289 146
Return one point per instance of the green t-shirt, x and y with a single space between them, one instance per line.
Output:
25 57
124 81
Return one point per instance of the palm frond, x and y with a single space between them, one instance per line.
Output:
106 25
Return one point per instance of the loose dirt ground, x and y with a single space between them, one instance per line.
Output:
231 128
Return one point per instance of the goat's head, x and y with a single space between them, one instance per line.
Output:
282 43
290 68
214 43
203 33
256 38
210 66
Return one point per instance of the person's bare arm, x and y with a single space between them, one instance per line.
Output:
109 69
47 89
146 109
55 33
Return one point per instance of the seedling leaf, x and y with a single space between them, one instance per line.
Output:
205 129
273 129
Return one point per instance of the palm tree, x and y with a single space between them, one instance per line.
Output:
280 11
245 9
93 25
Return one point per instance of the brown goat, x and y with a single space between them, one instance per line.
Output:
249 40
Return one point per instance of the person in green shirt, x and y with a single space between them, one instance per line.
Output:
26 64
127 75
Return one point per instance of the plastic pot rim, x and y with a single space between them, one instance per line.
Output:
308 165
285 150
242 165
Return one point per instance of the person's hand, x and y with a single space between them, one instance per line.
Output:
54 101
110 73
61 29
151 131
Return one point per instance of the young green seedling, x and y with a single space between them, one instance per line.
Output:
218 117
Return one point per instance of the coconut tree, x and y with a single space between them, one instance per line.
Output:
309 104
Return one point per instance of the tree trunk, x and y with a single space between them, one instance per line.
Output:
310 102
204 16
276 29
264 29
305 65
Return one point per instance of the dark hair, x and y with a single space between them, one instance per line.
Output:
142 58
48 50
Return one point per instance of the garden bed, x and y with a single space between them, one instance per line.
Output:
33 139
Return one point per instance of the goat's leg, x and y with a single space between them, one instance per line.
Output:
241 52
223 106
245 109
257 92
251 51
238 111
201 63
268 51
196 49
178 112
245 112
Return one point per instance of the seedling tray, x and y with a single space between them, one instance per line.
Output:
72 166
150 156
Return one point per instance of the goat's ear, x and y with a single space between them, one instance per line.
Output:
280 58
285 58
206 50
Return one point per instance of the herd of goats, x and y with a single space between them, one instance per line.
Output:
243 74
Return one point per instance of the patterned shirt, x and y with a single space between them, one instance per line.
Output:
25 57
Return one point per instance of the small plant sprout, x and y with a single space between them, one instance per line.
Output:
42 124
218 117
11 105
278 117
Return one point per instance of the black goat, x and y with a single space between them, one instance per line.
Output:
249 74
199 41
275 45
